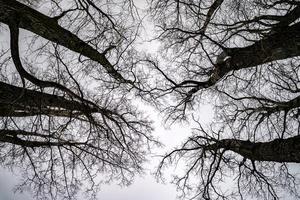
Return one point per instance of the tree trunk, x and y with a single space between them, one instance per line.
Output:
278 46
278 150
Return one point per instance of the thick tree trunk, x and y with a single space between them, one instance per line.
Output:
27 18
278 46
278 150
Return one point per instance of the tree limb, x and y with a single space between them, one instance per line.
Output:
49 29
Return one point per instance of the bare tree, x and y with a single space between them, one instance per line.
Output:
244 56
67 76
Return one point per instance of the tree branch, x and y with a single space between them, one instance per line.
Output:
17 101
49 29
